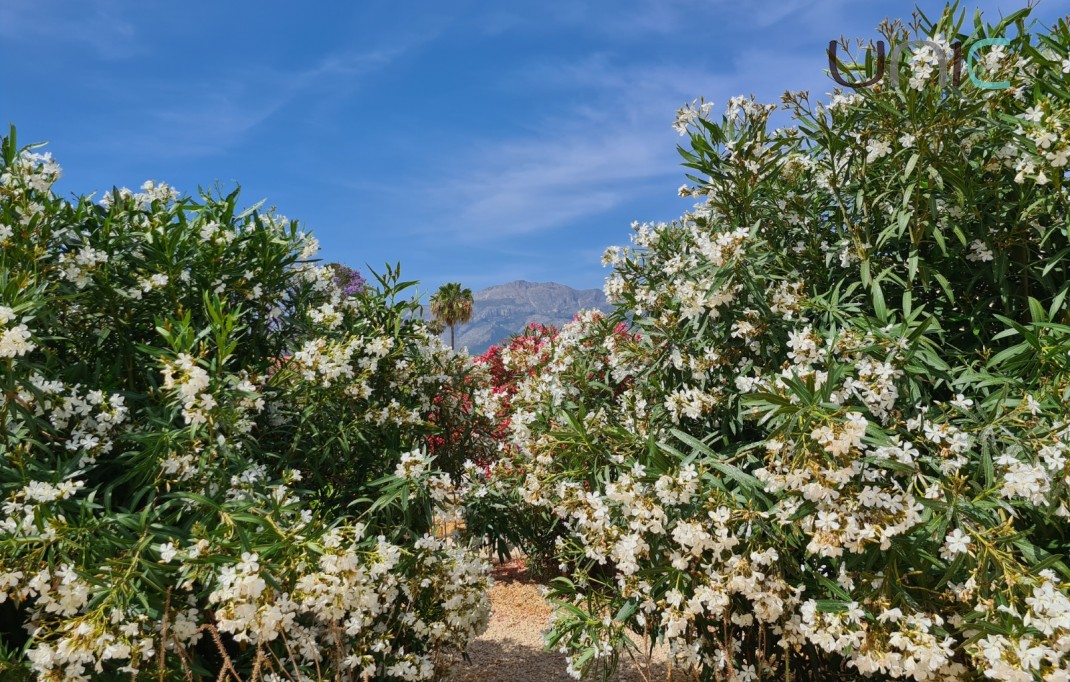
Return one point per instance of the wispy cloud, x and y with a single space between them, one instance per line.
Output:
209 115
594 157
105 26
523 186
687 21
606 143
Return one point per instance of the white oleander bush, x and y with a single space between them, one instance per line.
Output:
214 454
833 443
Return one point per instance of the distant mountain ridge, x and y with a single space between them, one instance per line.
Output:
502 310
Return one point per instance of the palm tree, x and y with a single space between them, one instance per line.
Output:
452 305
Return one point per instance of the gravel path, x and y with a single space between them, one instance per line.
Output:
511 650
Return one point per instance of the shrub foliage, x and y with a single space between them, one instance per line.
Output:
823 434
834 444
213 453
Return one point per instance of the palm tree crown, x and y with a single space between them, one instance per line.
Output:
452 305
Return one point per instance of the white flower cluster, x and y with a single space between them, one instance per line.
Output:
85 422
191 382
37 172
14 338
911 648
214 233
84 645
690 402
689 114
326 315
979 252
926 61
147 284
1033 473
78 265
151 193
413 465
327 361
361 603
21 510
877 149
1041 649
1045 146
358 593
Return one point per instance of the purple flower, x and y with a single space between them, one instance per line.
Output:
348 281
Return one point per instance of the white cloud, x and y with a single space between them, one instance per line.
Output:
589 159
207 115
524 186
105 26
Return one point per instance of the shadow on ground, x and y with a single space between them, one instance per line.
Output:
507 660
511 650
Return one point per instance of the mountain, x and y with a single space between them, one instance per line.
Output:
502 310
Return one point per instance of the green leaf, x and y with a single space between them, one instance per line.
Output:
879 306
911 163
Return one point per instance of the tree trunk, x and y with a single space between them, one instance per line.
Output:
452 344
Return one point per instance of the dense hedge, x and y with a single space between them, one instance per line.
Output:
834 444
213 453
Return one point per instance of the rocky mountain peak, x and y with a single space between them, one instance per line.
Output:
502 310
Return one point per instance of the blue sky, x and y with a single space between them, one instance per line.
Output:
472 142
